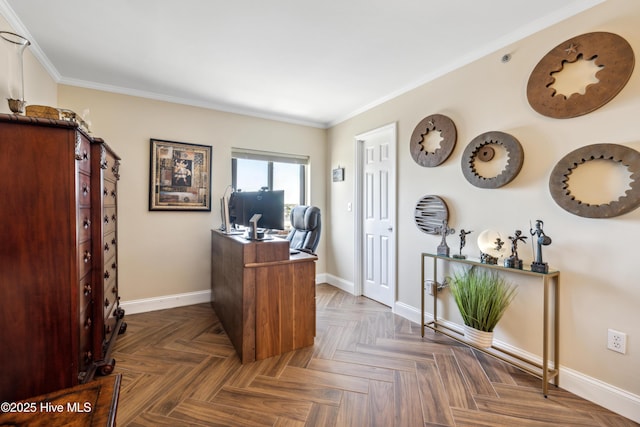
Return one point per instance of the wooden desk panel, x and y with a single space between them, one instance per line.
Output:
264 297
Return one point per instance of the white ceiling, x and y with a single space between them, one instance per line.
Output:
309 62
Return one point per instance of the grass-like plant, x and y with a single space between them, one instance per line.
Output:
482 297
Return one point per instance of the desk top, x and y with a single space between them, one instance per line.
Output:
274 250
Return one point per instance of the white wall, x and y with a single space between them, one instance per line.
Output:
599 283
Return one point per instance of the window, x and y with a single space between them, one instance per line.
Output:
254 170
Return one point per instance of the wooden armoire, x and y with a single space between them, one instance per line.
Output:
59 302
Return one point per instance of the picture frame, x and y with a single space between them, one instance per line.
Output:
338 174
180 176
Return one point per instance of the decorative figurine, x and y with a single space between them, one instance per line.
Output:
543 240
513 261
463 242
490 244
443 249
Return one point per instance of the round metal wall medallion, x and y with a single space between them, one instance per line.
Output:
429 214
560 176
476 150
433 123
609 51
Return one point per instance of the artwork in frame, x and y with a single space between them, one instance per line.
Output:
180 176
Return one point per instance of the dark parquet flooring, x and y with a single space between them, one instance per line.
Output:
368 367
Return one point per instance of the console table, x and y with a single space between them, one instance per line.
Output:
551 313
264 297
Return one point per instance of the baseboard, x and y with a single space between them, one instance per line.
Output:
613 398
166 301
321 278
339 283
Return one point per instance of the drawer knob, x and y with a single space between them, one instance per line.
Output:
106 247
87 256
87 289
106 275
85 188
87 223
114 266
113 193
114 290
106 302
87 323
106 219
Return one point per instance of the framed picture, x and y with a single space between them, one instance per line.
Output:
180 178
338 174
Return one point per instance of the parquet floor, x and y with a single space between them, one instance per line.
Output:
368 367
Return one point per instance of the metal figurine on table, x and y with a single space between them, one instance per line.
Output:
444 230
542 240
513 261
463 242
486 258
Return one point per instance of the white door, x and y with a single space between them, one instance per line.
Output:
377 198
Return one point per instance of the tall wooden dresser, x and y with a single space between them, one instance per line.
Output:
60 311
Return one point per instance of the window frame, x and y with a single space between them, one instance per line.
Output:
271 158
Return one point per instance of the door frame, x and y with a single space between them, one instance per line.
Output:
358 209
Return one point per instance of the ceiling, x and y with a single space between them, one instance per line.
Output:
315 63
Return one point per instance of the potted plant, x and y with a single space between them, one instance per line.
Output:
482 297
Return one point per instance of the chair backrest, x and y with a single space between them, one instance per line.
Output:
305 228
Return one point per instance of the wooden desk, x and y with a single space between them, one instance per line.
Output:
91 404
264 297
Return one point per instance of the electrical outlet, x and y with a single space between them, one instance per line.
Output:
617 341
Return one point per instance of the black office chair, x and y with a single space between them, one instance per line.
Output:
305 229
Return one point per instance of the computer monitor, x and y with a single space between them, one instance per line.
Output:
270 204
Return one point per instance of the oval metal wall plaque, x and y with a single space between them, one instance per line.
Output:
561 193
429 214
475 151
433 123
609 51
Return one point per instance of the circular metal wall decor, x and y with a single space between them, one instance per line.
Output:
609 51
433 123
618 153
429 214
477 150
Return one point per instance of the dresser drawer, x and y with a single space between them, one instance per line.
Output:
110 274
111 171
86 290
86 355
84 258
84 224
109 304
110 246
109 193
84 187
83 154
109 219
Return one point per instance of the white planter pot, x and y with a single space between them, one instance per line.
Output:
478 338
